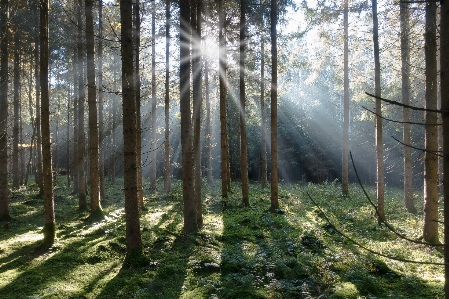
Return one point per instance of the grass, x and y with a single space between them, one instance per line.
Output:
240 252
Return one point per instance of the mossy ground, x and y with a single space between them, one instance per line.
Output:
239 253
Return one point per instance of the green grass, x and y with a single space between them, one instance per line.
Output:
239 253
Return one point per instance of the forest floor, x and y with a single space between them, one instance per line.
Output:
239 253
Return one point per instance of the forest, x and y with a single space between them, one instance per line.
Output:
224 149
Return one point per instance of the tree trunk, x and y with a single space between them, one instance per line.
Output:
190 224
167 181
136 38
39 171
263 115
95 207
208 128
380 185
430 229
82 203
345 147
223 91
49 213
405 71
100 101
133 236
75 121
153 162
4 205
15 144
243 141
68 139
33 123
274 110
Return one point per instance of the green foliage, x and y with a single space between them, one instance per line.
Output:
239 253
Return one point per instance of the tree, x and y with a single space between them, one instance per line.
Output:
430 229
243 141
262 103
49 213
345 170
380 181
16 76
167 181
208 129
133 236
39 173
274 109
405 74
190 224
223 91
95 206
100 101
153 167
4 205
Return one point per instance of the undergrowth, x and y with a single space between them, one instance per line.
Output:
239 253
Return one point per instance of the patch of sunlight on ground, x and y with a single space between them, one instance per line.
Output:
8 276
26 237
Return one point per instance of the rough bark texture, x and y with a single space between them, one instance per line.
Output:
243 141
345 143
167 180
93 118
4 205
100 102
133 236
186 126
153 164
82 203
197 95
444 85
263 115
16 126
430 229
75 120
405 73
39 174
223 91
380 183
274 110
49 213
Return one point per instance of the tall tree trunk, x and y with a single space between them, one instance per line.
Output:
243 141
190 224
75 120
4 205
274 110
15 144
153 163
197 104
100 101
208 128
68 139
133 236
39 171
49 213
167 181
345 147
136 38
223 91
33 123
444 85
82 203
405 73
380 185
263 115
95 207
430 229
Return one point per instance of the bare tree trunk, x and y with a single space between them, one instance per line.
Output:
133 236
274 110
167 181
262 106
39 172
190 224
430 229
405 70
345 147
243 141
100 102
49 213
75 121
153 163
68 139
4 36
33 123
15 144
208 128
82 203
379 146
223 90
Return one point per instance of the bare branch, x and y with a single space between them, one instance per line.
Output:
398 121
403 105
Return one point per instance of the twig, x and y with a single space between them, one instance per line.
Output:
419 149
398 121
403 105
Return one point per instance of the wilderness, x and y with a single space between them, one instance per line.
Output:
224 149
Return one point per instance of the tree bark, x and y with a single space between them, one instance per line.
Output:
190 224
75 120
405 73
430 229
380 185
345 147
15 144
274 110
39 171
4 205
263 114
167 180
243 141
133 236
100 102
49 213
208 129
153 163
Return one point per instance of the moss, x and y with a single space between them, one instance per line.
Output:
49 233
